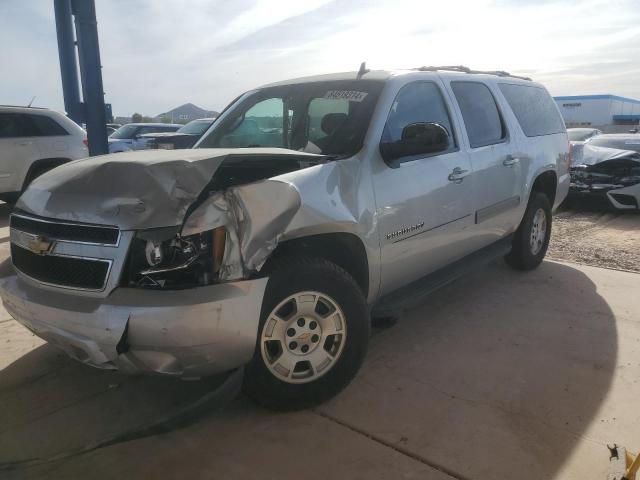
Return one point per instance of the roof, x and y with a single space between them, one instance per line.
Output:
597 97
382 75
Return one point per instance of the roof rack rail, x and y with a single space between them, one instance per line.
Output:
24 106
463 69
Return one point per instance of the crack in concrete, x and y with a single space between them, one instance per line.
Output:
402 451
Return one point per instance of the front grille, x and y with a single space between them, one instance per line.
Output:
73 232
63 271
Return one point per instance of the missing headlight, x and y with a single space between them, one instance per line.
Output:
162 258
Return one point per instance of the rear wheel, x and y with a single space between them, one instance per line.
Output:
313 335
531 240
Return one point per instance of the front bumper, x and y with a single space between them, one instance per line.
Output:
187 333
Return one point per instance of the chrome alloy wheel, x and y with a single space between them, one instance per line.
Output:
538 231
303 337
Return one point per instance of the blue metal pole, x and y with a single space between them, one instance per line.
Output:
68 61
91 72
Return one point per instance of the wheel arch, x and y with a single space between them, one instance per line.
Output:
546 182
344 249
42 163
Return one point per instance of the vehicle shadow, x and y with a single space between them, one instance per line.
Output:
499 372
5 210
502 371
52 405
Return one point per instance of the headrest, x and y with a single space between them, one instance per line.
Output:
332 121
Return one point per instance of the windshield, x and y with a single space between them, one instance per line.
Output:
197 127
580 134
125 131
328 118
625 143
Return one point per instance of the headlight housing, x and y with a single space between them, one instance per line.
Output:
161 258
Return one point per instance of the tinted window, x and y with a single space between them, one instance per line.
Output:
534 108
480 113
14 125
415 103
46 127
321 107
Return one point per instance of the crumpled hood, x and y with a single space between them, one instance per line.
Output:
131 190
592 155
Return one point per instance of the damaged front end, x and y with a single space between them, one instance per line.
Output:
609 173
182 293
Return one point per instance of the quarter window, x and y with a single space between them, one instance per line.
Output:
534 108
480 113
45 126
417 102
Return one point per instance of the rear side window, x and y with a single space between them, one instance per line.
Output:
45 126
480 113
11 126
534 108
417 102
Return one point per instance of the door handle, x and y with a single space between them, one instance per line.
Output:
24 142
457 175
510 161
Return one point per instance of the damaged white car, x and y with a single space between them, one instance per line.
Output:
608 166
308 207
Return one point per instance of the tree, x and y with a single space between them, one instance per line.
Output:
136 118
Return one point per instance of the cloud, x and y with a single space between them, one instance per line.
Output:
159 54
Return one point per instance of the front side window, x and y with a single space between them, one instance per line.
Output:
419 102
197 127
328 118
46 127
480 113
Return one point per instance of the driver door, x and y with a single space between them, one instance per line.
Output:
424 202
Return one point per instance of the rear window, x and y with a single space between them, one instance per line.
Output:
534 108
480 113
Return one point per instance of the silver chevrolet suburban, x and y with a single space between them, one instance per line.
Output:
309 207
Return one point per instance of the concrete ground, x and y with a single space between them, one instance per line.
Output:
501 375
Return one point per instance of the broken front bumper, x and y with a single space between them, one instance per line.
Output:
187 333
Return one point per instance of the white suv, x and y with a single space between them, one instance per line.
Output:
33 141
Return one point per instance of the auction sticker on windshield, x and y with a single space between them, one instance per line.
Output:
351 95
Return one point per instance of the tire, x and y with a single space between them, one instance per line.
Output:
531 240
280 375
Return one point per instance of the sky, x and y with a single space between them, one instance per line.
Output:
158 54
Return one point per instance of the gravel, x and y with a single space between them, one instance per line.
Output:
600 237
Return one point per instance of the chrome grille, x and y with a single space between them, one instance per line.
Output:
70 272
67 231
65 254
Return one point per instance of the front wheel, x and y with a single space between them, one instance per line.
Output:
531 240
313 335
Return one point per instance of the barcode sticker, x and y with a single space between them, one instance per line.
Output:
351 95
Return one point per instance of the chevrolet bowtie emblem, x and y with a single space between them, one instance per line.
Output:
39 244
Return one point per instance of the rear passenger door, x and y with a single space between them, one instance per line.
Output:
18 150
424 201
494 155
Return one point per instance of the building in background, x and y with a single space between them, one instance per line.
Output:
185 113
609 113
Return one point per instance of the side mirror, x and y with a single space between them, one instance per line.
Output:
421 138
